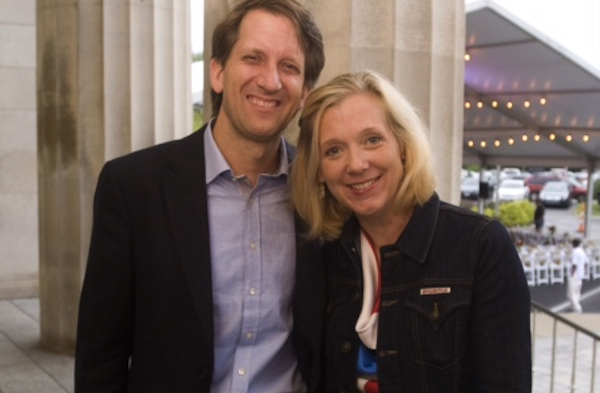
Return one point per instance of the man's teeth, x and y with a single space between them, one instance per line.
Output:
362 186
259 102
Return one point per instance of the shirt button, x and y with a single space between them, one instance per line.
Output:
253 246
249 335
346 347
241 372
252 291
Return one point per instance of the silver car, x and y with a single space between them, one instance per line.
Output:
556 193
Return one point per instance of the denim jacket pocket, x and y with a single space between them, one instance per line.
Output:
438 321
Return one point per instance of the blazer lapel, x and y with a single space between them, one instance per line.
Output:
185 196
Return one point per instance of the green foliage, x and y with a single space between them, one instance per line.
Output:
518 213
472 167
198 119
198 56
597 190
511 214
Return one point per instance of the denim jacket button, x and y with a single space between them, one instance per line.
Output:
434 315
346 347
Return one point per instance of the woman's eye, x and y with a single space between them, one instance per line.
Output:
373 140
332 151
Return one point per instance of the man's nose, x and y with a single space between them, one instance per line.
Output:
270 79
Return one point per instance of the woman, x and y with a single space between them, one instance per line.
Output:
423 296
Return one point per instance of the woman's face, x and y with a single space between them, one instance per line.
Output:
360 157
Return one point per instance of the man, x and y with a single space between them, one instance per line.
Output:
538 215
195 280
577 272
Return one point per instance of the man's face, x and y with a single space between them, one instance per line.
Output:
263 80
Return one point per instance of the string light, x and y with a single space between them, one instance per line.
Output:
537 137
509 104
467 105
467 56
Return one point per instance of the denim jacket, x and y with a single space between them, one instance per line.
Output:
454 314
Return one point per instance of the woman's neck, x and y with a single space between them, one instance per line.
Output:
385 231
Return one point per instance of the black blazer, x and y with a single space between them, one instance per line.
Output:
147 292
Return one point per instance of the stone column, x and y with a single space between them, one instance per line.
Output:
419 45
18 185
112 76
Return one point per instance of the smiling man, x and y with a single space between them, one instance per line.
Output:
196 280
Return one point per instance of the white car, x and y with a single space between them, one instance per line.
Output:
556 193
469 188
512 190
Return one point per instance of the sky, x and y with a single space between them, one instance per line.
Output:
573 24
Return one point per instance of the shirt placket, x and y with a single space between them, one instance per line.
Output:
252 293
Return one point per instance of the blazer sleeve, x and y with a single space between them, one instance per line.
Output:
105 325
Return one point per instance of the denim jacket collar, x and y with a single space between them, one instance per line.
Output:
414 242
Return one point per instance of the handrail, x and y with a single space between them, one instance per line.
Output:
557 361
564 320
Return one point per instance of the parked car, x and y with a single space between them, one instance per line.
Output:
578 190
512 190
469 188
556 193
536 182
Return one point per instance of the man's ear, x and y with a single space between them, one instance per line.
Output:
305 91
216 76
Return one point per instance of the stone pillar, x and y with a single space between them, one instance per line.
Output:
18 186
418 44
112 76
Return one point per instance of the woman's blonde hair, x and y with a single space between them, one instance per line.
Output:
315 204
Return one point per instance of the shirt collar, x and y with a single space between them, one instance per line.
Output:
216 164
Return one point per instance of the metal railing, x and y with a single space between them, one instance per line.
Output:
564 354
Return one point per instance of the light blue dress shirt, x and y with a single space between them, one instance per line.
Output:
253 252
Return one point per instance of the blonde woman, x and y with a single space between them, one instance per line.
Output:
423 296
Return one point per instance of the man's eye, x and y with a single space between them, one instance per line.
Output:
292 68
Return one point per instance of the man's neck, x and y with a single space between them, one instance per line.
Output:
247 157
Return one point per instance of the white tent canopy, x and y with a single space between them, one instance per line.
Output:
513 64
